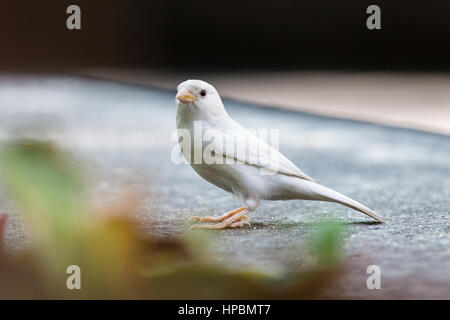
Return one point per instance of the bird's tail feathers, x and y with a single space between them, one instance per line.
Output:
327 194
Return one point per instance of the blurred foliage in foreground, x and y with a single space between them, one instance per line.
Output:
116 260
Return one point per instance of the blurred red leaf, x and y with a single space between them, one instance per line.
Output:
3 218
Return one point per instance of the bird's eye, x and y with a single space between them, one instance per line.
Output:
203 93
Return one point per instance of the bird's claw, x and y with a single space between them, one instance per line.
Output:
240 224
215 219
206 219
220 226
233 219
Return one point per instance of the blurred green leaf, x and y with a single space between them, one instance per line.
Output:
48 192
326 243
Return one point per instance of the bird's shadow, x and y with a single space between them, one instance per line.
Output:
274 225
262 225
368 223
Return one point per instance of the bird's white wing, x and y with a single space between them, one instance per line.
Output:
242 146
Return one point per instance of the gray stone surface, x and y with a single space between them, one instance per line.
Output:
122 135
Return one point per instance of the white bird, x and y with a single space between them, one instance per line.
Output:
243 165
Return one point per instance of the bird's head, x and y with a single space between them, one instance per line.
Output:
199 97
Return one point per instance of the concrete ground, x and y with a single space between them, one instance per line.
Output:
123 135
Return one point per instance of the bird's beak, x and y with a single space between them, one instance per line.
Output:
185 96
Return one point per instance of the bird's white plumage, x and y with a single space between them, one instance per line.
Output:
251 169
249 149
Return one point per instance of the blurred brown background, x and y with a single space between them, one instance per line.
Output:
314 56
229 35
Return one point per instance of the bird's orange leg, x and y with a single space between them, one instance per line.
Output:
220 218
234 221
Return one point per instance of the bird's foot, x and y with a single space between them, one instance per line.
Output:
219 218
220 226
233 219
216 219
